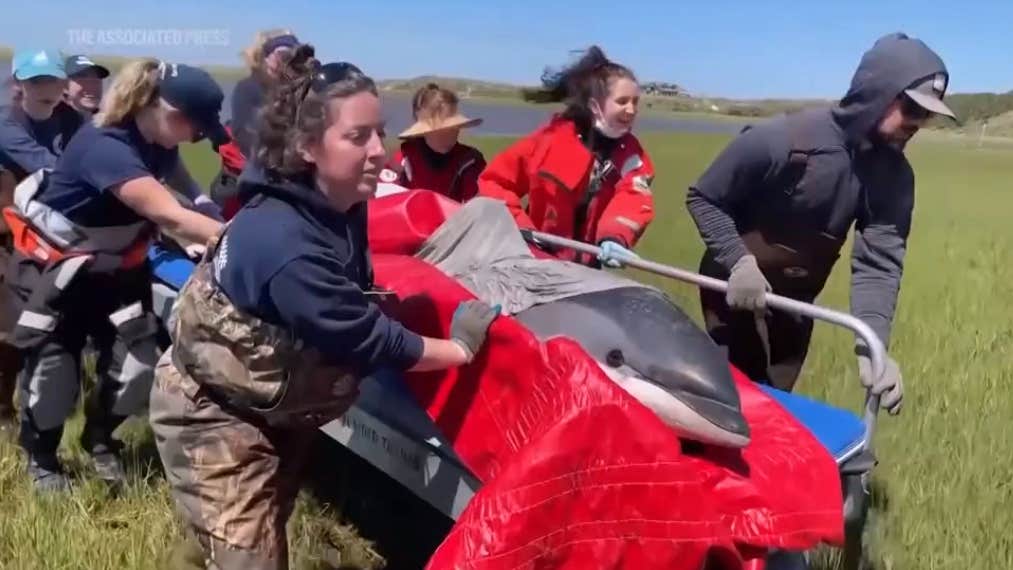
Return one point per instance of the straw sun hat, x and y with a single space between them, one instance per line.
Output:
428 122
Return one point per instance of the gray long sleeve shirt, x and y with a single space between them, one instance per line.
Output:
849 179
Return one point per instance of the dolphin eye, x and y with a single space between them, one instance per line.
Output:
615 358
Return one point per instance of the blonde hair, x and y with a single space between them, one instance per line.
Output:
135 87
254 54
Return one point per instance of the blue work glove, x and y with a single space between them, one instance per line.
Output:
470 323
889 386
613 254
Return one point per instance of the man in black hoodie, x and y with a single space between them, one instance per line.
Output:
776 205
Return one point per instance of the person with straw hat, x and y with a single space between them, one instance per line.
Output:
431 156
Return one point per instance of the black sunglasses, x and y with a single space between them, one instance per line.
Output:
331 73
913 110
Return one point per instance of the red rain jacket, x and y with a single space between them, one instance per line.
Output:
457 179
552 167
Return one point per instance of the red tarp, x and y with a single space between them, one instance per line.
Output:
576 473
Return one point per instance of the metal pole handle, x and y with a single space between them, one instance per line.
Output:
877 352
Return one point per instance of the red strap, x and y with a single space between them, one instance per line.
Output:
29 242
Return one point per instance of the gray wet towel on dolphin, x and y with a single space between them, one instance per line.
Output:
642 340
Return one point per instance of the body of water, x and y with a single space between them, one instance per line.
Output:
500 119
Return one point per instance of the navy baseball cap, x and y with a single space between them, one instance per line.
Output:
194 92
78 63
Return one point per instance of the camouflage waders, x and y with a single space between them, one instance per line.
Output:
234 406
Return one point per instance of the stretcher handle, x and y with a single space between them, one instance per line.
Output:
877 352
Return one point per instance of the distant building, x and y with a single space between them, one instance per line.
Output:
663 89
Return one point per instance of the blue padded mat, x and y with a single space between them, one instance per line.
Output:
170 267
840 431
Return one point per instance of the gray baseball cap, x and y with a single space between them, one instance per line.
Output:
928 93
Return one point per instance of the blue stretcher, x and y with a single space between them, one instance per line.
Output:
840 431
844 434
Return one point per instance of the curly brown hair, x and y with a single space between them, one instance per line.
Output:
578 83
296 113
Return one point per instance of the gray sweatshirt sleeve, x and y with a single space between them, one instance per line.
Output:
723 189
877 257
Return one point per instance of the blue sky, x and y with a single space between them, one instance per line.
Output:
714 47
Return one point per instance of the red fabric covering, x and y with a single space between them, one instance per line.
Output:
576 473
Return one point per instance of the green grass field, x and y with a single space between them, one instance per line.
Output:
943 491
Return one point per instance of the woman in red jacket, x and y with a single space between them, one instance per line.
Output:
430 156
585 175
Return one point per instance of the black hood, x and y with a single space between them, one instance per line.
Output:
893 64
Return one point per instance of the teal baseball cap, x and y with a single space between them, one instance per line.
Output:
30 63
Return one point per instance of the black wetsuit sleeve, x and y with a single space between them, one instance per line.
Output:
725 188
332 314
877 257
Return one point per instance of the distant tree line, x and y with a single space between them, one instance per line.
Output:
971 107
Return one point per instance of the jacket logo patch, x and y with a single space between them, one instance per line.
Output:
795 272
632 163
642 183
388 175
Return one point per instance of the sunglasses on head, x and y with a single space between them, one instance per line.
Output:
331 73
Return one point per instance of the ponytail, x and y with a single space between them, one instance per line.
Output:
135 87
577 84
295 116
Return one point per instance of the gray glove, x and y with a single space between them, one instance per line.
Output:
747 287
889 386
470 323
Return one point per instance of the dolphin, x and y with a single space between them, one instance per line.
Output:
653 350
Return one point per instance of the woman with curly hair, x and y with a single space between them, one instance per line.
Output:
276 326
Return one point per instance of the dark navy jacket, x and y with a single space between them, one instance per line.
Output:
247 98
291 260
851 178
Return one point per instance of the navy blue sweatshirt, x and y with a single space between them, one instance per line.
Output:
27 145
851 179
291 260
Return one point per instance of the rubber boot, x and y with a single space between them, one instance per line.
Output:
97 440
47 474
10 365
